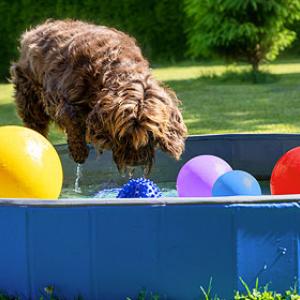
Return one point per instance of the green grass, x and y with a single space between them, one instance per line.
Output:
214 104
265 293
256 293
216 99
8 115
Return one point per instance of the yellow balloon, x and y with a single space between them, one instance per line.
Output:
29 165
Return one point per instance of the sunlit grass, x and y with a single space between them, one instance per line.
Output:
216 107
6 91
187 71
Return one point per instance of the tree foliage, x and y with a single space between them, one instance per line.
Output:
244 30
156 24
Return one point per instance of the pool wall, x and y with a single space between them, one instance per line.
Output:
109 249
254 153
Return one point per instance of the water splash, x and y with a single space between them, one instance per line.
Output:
107 189
77 188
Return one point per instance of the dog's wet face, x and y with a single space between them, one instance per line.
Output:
135 120
127 157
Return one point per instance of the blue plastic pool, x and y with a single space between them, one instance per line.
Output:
112 248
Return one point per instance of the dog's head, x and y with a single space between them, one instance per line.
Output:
134 120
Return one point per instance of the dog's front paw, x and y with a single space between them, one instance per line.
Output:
79 152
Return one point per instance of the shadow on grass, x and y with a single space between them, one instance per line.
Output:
220 62
230 76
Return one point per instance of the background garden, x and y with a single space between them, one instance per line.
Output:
235 64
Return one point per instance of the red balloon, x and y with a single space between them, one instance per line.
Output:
285 178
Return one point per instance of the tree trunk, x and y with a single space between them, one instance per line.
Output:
255 66
255 59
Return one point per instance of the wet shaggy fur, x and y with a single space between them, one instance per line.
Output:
95 84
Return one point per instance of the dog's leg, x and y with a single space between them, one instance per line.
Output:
29 106
74 124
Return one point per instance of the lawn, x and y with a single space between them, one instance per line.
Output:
218 103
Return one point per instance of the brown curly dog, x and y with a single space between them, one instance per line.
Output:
95 84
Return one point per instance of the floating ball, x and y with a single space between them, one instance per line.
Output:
29 165
139 188
234 183
285 178
197 177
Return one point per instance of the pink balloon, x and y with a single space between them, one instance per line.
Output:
197 176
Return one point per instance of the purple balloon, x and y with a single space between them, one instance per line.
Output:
197 176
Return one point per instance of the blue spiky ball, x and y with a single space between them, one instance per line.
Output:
139 188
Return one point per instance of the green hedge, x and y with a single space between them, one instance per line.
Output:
158 25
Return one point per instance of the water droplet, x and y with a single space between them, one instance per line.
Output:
282 250
77 188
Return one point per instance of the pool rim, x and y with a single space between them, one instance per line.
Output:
79 202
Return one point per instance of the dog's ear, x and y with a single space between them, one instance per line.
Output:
163 109
173 139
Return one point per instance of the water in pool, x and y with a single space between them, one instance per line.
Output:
109 190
